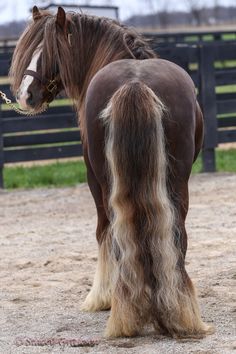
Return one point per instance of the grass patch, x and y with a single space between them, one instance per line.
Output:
63 174
225 161
226 89
58 174
197 166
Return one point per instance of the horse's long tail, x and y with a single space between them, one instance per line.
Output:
147 285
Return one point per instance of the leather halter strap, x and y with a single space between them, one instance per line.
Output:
50 85
34 74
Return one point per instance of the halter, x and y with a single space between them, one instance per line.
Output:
51 85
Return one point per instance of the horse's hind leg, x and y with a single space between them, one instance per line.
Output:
185 318
99 297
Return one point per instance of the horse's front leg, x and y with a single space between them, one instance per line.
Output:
99 297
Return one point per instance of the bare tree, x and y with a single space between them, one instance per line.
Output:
163 13
196 10
216 11
163 17
159 14
150 6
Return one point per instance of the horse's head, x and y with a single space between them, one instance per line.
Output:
35 72
36 91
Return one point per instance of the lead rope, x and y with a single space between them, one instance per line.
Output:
18 110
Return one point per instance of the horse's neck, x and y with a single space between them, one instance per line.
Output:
95 66
101 54
101 57
97 53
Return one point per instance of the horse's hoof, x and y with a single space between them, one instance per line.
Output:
94 304
116 328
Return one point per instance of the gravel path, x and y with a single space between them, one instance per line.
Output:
48 257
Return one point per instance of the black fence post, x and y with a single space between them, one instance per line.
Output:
1 150
207 97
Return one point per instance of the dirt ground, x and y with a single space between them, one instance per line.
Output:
48 256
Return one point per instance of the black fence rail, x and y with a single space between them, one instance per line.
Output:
55 134
7 45
219 105
193 37
50 136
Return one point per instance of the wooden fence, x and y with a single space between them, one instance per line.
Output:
54 134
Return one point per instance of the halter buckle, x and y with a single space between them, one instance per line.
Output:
52 86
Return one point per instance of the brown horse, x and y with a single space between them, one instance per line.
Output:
142 130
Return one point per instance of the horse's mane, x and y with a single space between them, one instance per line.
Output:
94 42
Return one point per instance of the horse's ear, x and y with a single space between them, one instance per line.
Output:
36 13
61 17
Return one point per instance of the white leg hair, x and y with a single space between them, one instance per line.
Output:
99 297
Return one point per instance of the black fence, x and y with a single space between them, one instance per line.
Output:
193 37
54 134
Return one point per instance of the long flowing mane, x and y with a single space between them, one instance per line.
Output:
94 42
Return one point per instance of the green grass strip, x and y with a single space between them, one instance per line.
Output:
58 174
225 161
62 174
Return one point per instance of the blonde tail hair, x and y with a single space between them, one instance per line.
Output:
148 285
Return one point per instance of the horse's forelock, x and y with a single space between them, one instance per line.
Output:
58 54
29 41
